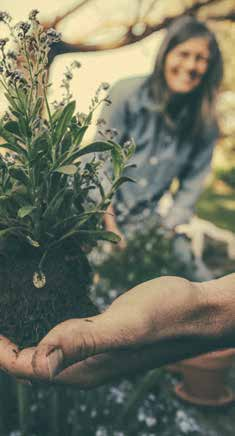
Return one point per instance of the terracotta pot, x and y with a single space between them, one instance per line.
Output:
204 379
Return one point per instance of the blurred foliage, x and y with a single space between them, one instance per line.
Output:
225 33
218 207
227 176
149 254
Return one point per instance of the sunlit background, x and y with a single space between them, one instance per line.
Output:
102 66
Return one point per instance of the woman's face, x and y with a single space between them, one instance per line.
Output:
186 64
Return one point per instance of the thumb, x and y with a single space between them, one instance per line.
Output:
48 361
77 339
55 362
69 342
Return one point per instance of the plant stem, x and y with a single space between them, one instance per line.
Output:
54 415
48 107
24 401
58 412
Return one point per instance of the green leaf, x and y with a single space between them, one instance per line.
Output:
14 147
9 137
54 204
117 160
32 242
22 99
78 135
6 232
94 147
91 148
23 126
122 180
25 210
89 118
81 218
94 235
4 197
100 235
12 127
67 169
56 115
18 174
130 166
64 121
130 150
65 146
37 108
12 102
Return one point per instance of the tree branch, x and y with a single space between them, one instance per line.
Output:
60 18
150 8
227 17
130 37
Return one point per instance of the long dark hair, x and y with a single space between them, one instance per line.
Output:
202 110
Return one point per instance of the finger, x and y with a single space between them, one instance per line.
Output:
108 367
65 345
76 340
123 245
14 361
69 342
23 364
47 360
8 354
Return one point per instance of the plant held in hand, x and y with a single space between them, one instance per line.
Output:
47 211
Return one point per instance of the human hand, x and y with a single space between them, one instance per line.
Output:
87 374
15 362
160 321
87 351
141 329
90 373
122 244
111 226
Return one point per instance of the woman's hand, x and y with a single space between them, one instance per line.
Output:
122 244
111 226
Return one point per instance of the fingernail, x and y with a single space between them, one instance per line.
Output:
55 362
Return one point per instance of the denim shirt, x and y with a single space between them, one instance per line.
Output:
159 157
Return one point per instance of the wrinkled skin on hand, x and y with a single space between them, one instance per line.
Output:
157 322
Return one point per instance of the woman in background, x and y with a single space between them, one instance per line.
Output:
171 117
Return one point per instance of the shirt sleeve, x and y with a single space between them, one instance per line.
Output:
191 180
